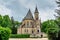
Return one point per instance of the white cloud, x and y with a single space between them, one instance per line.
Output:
4 10
28 4
47 14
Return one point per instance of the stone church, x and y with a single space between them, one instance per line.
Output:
31 25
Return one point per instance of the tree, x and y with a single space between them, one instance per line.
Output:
0 20
15 24
58 17
14 29
4 33
6 22
44 24
51 28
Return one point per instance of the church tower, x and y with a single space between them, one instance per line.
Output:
36 13
37 21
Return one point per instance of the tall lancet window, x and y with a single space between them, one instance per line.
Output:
32 24
37 31
27 23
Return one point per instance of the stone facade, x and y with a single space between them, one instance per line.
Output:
31 25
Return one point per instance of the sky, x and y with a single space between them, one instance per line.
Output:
19 8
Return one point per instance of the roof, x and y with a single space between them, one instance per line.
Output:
29 16
36 10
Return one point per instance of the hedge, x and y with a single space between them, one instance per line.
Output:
20 36
4 33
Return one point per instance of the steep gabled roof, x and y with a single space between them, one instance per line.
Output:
29 16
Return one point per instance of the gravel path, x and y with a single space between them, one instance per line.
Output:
28 39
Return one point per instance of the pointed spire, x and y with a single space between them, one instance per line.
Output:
29 16
29 12
36 10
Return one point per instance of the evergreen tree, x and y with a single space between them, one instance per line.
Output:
14 28
58 10
58 17
15 25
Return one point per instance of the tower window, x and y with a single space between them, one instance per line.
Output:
37 30
36 18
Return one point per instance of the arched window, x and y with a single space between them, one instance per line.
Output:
25 30
36 18
27 24
32 24
37 31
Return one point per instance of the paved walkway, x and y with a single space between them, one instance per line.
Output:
28 39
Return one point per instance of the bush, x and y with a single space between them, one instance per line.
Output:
4 33
52 36
20 36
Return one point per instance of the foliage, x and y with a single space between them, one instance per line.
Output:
58 18
58 23
51 28
0 20
20 36
5 21
4 33
15 24
43 28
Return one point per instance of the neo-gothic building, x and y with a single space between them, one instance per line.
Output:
31 25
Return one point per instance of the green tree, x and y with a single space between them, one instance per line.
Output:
51 28
44 24
58 17
4 33
1 20
15 25
6 21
